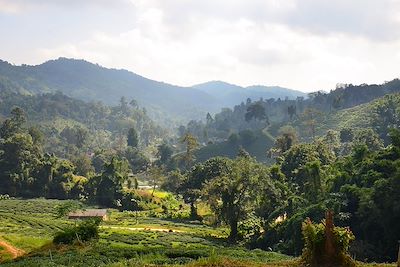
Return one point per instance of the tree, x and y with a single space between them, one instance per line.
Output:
294 161
256 111
337 102
192 185
369 138
83 232
313 178
19 158
100 158
37 135
231 194
137 160
386 115
286 139
134 104
247 137
133 139
209 119
156 177
81 136
191 146
63 209
346 135
76 135
332 140
173 181
106 188
14 124
164 153
83 165
123 105
310 119
243 153
291 111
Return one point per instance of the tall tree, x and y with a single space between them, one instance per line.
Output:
137 160
191 145
164 153
291 111
133 139
201 173
310 119
14 124
256 111
232 194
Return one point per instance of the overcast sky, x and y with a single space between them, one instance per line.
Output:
300 44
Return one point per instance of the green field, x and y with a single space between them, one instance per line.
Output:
127 239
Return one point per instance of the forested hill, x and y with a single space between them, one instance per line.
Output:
229 94
274 112
90 82
86 81
60 119
255 124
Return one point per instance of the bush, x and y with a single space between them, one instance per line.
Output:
85 231
325 244
250 229
4 197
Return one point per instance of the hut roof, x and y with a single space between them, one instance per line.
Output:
89 213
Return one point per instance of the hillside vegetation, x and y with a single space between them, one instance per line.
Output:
90 82
272 182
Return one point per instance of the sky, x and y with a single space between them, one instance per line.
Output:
307 45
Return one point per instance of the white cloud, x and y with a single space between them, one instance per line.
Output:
303 44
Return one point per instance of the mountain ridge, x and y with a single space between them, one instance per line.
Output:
231 94
88 81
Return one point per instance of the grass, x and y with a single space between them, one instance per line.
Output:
127 239
4 255
25 242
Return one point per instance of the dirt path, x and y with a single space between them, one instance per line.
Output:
144 229
10 249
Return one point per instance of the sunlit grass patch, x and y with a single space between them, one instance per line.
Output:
25 242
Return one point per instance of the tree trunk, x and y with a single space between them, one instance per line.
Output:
233 224
193 211
154 189
330 249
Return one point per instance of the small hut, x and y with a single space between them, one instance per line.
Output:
89 213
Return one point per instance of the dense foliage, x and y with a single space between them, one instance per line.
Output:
361 186
322 154
347 106
72 127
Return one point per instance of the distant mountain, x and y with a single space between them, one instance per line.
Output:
230 94
90 82
86 81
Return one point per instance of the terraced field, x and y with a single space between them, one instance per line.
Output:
127 239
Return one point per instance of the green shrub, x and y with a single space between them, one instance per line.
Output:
250 228
85 231
326 245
